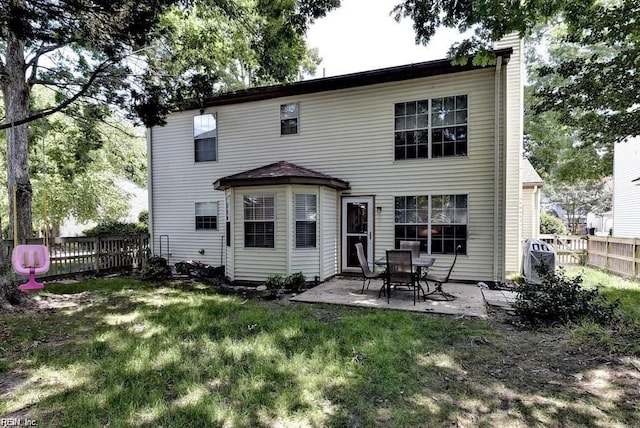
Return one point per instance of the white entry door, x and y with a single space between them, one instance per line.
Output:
357 226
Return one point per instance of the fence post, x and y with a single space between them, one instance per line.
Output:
141 254
636 257
96 248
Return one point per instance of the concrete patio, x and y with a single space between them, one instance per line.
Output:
346 291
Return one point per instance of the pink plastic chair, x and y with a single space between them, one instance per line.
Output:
30 260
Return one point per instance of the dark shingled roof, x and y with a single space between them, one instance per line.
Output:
279 173
353 80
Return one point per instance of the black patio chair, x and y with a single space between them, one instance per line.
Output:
439 280
400 272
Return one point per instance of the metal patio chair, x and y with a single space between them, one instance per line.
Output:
367 273
439 280
400 272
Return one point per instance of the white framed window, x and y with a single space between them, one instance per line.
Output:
259 221
438 222
206 215
205 138
431 128
289 117
306 212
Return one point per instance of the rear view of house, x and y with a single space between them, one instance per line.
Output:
288 178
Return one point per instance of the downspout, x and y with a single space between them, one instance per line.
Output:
535 224
496 170
150 188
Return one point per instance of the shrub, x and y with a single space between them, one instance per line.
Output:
143 218
296 281
560 299
551 225
275 282
156 269
114 228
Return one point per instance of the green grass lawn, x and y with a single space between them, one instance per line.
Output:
126 353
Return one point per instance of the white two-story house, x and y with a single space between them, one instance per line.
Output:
287 178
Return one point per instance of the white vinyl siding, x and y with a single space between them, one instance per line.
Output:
626 196
348 134
178 181
256 264
530 212
513 106
329 232
306 260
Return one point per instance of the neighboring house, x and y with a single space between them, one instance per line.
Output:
287 178
531 189
626 189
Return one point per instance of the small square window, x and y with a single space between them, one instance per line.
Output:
289 116
206 215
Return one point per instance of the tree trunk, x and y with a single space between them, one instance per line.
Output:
9 293
15 92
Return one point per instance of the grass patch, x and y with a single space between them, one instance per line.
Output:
140 354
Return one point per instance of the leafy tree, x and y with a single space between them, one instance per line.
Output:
599 85
579 199
554 147
550 224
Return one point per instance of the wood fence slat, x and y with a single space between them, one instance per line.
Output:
71 255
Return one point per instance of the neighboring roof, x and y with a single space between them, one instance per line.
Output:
530 177
353 80
279 173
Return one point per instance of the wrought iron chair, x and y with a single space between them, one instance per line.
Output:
367 273
400 272
439 280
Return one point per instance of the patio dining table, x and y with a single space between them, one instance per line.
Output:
421 263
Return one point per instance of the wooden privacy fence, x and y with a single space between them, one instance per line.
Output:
92 255
617 255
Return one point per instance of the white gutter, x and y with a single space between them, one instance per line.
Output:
535 223
496 170
150 189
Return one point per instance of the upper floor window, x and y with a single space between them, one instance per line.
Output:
449 126
431 128
259 221
306 217
205 137
206 215
412 130
289 116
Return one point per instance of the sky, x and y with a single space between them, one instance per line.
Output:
360 35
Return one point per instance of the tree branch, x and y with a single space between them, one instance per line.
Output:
44 113
33 62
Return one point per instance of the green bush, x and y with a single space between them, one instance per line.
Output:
560 299
115 228
551 225
275 282
296 281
